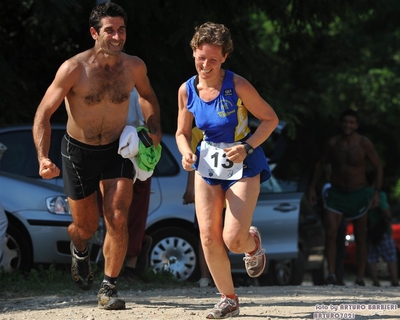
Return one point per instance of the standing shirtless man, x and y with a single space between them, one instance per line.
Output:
348 154
96 86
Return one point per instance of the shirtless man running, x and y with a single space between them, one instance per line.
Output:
348 155
96 86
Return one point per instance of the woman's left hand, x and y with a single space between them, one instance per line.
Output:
236 154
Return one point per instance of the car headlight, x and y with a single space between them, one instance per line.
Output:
58 205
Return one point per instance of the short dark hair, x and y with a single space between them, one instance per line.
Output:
106 9
349 112
215 34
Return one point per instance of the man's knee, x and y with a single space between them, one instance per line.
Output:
85 231
117 222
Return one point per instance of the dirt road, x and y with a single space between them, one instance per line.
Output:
301 302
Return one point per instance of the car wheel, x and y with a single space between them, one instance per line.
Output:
17 253
284 272
175 250
279 274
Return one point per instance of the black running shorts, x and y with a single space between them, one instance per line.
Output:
85 165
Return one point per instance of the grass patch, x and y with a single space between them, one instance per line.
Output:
37 281
56 279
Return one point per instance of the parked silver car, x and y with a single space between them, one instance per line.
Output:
292 232
38 216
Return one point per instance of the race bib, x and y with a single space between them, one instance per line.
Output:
214 164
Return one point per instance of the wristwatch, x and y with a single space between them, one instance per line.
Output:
249 148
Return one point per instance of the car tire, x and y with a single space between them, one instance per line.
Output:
17 252
175 250
284 272
279 273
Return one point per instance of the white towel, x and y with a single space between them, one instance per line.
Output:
128 142
129 148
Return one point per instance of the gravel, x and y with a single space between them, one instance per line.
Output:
294 302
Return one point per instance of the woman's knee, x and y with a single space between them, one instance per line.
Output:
234 242
211 240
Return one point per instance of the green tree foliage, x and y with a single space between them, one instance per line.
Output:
309 59
36 37
332 56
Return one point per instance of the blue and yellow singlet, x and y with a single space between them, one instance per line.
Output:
225 119
225 112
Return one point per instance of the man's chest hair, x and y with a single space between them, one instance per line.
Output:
107 83
352 153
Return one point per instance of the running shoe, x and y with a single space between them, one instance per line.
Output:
225 308
81 270
108 297
359 282
331 280
255 263
376 284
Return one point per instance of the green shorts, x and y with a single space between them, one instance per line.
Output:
352 205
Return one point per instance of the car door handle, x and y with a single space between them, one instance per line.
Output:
285 207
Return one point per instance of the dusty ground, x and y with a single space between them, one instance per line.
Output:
301 302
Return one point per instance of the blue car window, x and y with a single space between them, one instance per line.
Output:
167 166
20 157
